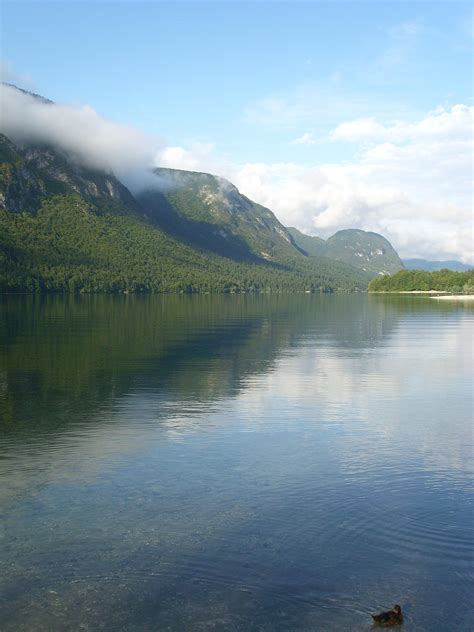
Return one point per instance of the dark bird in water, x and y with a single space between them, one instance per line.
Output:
391 617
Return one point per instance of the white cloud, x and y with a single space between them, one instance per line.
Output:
179 158
358 130
409 180
304 139
199 157
451 124
80 132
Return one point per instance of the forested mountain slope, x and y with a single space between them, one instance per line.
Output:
210 212
65 227
365 250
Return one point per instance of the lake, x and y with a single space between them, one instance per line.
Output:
241 463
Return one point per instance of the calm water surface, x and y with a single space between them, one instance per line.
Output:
235 463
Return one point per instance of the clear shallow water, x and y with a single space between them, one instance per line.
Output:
235 463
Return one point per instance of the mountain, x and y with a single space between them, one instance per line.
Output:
66 227
364 250
33 173
431 266
210 212
311 245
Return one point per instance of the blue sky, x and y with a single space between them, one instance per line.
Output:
194 71
256 82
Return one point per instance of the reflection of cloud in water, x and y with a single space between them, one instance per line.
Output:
274 482
405 390
131 427
415 389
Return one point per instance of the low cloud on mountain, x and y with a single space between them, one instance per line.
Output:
408 180
79 131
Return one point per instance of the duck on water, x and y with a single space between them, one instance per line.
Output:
391 617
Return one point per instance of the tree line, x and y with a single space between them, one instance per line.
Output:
421 280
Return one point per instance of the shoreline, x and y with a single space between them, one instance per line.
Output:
439 295
454 297
410 292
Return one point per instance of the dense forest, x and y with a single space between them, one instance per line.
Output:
70 245
421 280
68 228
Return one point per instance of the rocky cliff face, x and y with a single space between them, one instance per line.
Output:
30 173
20 188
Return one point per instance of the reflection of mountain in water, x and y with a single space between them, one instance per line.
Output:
65 358
91 380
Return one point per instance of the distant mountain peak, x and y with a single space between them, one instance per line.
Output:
431 266
362 249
